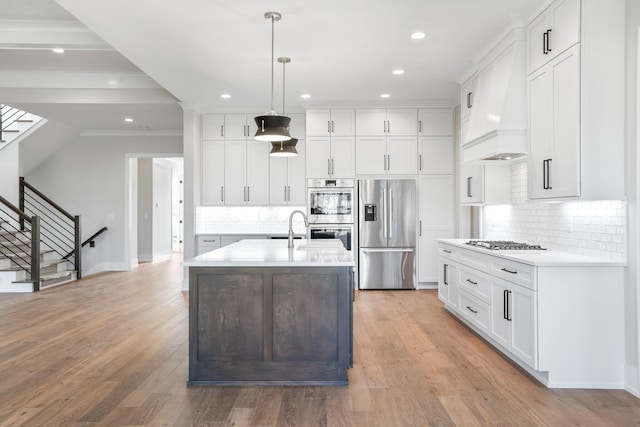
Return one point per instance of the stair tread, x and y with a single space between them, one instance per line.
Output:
57 275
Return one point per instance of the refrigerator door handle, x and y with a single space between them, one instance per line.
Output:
366 251
385 226
391 222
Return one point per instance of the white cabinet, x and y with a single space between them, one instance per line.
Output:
246 172
212 127
330 157
553 31
483 185
239 126
287 178
212 176
393 122
554 123
334 122
435 122
435 155
386 155
206 243
436 221
448 282
514 319
576 102
435 141
467 90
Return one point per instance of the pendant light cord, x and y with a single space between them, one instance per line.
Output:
272 56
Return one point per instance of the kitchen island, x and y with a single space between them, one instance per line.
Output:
262 313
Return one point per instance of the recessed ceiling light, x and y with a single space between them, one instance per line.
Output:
398 72
384 95
225 96
58 50
418 35
128 119
305 96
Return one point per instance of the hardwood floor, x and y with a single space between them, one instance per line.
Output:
111 350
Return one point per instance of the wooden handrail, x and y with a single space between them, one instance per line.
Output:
17 211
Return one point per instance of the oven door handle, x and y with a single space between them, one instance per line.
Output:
366 251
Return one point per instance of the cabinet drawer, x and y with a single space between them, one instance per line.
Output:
446 251
208 240
475 283
475 260
474 310
522 274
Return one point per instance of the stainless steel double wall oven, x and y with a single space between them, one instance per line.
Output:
331 210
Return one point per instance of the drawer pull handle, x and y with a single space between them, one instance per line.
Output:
472 310
472 282
509 271
446 251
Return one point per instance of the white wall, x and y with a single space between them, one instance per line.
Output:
10 173
632 119
89 177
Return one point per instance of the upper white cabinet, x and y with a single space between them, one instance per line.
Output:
554 128
238 126
435 122
330 157
392 122
331 143
553 32
576 102
435 141
287 178
386 155
212 173
213 127
330 122
246 172
466 96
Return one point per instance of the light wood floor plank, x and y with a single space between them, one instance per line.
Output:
112 349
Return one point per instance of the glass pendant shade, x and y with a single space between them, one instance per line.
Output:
284 148
272 128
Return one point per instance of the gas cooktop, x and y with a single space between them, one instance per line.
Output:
504 245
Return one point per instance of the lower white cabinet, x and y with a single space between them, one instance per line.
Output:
206 243
563 322
513 319
436 221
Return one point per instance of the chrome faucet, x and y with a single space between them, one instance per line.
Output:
306 224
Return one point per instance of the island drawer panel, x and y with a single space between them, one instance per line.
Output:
474 282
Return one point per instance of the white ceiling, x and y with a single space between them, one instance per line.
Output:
139 58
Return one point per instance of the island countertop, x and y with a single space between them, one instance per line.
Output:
275 253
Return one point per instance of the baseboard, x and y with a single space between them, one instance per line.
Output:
632 379
162 256
145 258
105 266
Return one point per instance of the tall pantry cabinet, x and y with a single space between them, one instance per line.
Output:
576 77
436 187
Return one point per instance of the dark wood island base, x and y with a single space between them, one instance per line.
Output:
270 325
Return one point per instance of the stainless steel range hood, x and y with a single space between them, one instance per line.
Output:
497 129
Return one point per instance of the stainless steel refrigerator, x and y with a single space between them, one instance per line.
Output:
387 233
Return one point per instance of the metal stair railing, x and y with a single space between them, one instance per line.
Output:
59 230
14 223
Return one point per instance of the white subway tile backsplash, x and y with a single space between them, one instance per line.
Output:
594 228
248 220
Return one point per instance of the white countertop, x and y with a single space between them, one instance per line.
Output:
275 253
547 258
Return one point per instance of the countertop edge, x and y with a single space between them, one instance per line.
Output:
587 261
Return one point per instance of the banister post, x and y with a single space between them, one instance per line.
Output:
21 203
78 246
35 252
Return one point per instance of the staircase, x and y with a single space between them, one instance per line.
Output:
14 122
15 274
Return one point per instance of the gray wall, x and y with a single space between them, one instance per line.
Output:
162 171
145 210
90 177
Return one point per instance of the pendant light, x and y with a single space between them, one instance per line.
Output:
284 148
271 126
